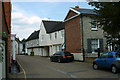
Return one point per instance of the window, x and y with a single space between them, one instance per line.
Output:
50 37
104 55
55 35
42 37
94 45
57 53
56 48
93 26
110 55
59 48
62 34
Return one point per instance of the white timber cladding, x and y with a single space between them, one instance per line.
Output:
21 47
33 43
52 41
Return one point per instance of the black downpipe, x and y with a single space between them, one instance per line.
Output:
82 37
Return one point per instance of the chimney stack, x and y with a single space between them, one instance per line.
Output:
76 6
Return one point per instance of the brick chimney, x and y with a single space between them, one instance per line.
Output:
76 6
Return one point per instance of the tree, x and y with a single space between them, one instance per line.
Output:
23 42
108 18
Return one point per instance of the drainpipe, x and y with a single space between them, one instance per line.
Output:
98 48
82 37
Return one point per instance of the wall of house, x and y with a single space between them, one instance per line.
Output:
47 41
6 23
32 43
88 33
50 45
73 35
37 51
70 14
54 48
7 8
2 60
73 38
20 48
29 51
16 47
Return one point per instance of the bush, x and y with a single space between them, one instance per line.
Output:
26 53
32 53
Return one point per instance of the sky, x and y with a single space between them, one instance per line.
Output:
27 16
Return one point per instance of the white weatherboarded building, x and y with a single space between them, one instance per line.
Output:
32 43
51 37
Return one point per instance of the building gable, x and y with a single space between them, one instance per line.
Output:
70 14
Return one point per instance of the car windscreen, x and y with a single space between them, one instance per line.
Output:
118 55
67 53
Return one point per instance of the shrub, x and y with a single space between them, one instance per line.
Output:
32 53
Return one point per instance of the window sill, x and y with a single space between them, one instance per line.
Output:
94 29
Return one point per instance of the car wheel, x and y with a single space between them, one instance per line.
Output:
114 69
95 66
59 60
51 59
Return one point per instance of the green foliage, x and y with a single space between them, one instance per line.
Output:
32 53
3 34
23 42
108 18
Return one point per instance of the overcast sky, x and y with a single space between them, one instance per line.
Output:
27 16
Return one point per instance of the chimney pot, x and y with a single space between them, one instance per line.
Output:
76 6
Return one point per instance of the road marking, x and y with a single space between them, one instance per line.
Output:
23 70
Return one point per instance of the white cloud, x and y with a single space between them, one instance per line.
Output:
24 25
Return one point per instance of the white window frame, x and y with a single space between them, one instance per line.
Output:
62 34
95 27
50 36
42 37
98 45
55 35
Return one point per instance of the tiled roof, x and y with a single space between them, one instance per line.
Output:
84 11
52 26
34 35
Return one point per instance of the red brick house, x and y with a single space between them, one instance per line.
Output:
81 35
5 35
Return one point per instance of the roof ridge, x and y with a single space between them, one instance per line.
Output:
82 8
52 20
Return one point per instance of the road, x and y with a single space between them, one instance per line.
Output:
41 67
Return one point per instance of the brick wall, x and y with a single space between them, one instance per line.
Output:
73 35
6 24
70 14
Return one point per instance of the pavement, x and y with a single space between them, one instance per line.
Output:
16 72
36 67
